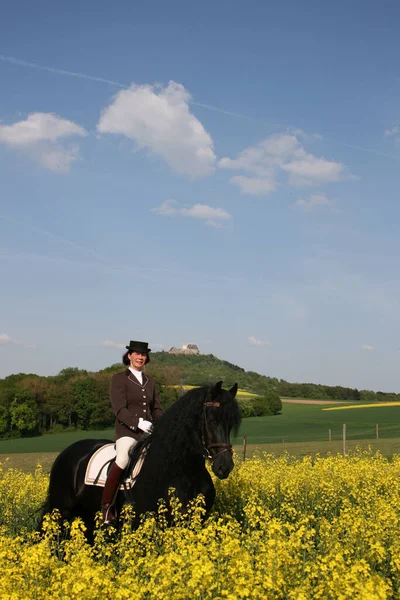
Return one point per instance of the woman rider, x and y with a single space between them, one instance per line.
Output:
136 406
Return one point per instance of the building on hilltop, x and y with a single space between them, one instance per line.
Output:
186 349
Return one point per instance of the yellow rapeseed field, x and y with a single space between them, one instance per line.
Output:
371 405
192 387
323 528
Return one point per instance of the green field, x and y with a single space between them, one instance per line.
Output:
301 424
309 422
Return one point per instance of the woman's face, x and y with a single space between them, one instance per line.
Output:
137 360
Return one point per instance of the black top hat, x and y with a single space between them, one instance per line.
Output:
138 347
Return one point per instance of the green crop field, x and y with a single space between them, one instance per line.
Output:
51 442
305 424
310 422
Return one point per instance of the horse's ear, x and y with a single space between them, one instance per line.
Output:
216 389
234 390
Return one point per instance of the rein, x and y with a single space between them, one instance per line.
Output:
224 447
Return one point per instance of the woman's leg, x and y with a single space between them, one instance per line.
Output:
123 445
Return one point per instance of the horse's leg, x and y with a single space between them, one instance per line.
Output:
189 486
206 487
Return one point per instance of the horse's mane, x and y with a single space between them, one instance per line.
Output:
177 434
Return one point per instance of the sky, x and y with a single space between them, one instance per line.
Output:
223 174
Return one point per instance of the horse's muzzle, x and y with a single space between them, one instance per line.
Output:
222 465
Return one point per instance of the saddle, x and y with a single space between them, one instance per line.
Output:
100 463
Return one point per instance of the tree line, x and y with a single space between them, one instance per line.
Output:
75 398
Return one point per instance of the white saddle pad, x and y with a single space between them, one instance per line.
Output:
96 471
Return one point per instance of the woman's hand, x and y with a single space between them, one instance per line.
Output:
145 426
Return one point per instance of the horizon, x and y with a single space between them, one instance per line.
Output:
200 354
222 173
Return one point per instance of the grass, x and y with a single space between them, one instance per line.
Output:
310 422
28 461
300 429
51 442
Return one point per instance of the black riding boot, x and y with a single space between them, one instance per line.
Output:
110 488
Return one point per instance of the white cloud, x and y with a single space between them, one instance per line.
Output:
37 128
304 135
110 344
308 169
280 155
210 216
255 342
6 339
40 136
367 347
393 131
262 159
159 118
166 208
254 186
313 201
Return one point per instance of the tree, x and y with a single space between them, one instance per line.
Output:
246 407
4 419
24 413
274 402
84 394
368 396
70 373
260 406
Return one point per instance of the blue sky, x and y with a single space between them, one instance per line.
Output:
224 174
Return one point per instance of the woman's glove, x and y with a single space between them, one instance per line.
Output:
146 426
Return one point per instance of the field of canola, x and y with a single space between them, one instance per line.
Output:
326 528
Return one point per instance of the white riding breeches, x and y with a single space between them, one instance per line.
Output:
123 445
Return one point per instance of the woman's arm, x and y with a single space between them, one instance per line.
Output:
156 410
119 404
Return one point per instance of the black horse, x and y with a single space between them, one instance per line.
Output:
195 428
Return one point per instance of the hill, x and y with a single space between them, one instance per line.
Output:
203 369
32 404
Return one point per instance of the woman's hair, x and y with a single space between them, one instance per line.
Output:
127 362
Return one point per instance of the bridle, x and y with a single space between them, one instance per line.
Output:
205 433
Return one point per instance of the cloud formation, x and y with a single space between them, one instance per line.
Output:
367 347
42 136
6 339
393 132
280 156
111 344
313 201
158 118
211 216
255 342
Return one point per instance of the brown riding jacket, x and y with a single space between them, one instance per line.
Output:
131 400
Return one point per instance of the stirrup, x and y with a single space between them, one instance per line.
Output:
109 515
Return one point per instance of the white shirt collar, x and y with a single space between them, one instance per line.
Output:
137 374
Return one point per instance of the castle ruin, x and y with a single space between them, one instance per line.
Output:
186 349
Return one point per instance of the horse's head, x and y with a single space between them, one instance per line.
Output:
221 414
